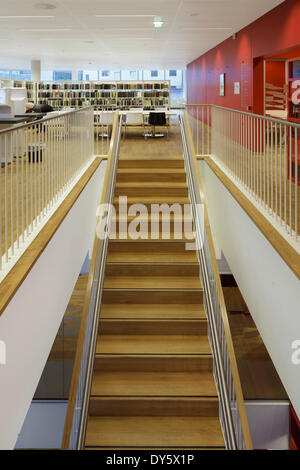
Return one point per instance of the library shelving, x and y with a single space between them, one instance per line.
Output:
31 86
107 95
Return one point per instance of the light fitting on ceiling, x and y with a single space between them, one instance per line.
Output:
158 22
45 6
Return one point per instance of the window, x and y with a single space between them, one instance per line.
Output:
105 73
62 75
154 73
173 73
16 74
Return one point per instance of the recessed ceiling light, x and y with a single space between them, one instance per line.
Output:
44 30
158 22
45 6
23 16
125 16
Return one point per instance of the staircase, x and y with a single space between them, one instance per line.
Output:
153 386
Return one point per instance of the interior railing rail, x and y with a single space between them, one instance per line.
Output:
77 413
41 161
260 154
233 414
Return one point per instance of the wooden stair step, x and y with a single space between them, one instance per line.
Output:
158 363
163 311
148 246
158 432
149 282
152 269
188 257
153 406
132 383
153 344
151 175
151 189
153 235
149 200
152 296
152 327
151 163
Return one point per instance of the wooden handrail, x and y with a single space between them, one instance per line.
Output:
224 314
85 313
13 280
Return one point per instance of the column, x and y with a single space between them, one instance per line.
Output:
36 70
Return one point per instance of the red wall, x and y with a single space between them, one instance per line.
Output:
242 60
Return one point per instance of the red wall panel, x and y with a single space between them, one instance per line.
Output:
241 60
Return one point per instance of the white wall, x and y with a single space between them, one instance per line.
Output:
269 287
269 423
30 322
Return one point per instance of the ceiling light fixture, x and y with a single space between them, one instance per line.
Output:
124 16
45 6
206 29
44 30
22 17
158 22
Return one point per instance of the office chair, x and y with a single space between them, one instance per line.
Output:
134 118
158 119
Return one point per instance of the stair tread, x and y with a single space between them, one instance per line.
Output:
153 344
154 431
152 258
155 200
151 185
151 170
154 384
151 158
149 282
150 311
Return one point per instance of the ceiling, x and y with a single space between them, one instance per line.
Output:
122 36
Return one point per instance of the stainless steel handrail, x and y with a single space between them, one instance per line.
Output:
228 406
84 386
246 113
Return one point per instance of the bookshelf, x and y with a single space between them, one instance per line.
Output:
107 95
29 85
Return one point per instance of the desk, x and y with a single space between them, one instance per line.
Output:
145 113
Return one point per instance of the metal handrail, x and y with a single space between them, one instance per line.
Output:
246 113
232 409
74 434
19 127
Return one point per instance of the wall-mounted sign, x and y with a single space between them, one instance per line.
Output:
222 84
237 88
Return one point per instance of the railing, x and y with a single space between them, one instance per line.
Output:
77 413
233 415
103 125
40 163
259 154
